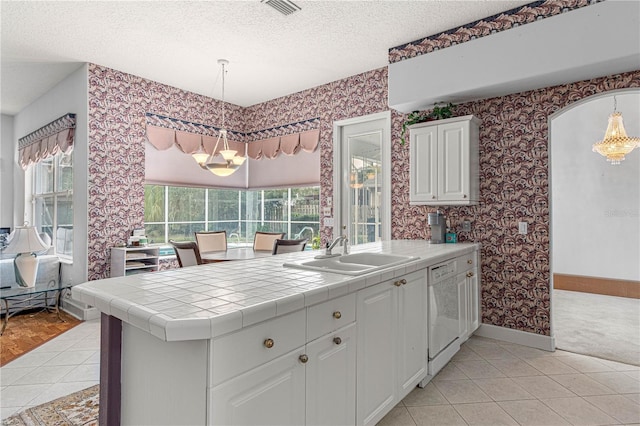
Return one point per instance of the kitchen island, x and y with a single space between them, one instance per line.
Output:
254 342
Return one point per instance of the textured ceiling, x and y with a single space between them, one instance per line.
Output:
179 42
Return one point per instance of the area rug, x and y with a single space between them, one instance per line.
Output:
27 331
78 409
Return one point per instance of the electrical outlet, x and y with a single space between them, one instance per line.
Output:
328 221
522 228
466 226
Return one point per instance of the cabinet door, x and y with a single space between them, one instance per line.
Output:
473 284
272 394
423 180
453 162
463 295
412 331
376 314
331 378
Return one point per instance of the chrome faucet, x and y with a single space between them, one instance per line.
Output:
345 245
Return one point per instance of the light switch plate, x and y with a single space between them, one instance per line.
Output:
522 228
466 226
326 211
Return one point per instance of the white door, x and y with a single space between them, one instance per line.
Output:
272 394
412 331
376 358
331 378
362 161
453 161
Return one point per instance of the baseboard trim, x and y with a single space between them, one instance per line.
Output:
597 285
538 341
80 310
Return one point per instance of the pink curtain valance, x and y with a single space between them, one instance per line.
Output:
288 144
47 141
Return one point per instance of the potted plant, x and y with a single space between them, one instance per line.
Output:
437 113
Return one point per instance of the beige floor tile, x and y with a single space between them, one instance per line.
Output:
584 364
502 389
635 397
441 415
617 406
581 385
618 381
577 411
465 354
398 416
635 374
514 367
619 366
543 387
479 369
451 372
493 352
532 413
484 413
525 352
427 396
551 366
461 391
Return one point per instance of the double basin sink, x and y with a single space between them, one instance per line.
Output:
351 264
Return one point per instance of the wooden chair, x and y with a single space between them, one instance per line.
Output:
289 246
264 241
187 253
211 241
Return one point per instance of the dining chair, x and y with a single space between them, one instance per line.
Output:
289 246
187 253
211 241
264 241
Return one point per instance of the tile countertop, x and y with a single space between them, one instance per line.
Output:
205 301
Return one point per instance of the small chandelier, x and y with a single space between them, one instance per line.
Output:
616 144
230 160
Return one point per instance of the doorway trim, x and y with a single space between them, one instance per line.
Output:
340 173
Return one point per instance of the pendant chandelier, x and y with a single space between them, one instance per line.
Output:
230 161
616 144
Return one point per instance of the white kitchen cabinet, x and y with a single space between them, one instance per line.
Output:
133 260
271 394
468 282
392 344
331 378
444 162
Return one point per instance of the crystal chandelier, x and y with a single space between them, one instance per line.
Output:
616 144
230 160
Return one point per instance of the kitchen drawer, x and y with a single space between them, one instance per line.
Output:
329 316
466 262
243 350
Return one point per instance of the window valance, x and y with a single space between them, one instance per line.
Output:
164 132
47 141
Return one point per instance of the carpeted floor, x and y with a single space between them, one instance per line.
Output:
78 409
606 327
27 331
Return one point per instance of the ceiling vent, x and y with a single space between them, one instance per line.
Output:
285 7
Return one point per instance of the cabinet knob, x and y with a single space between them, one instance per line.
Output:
337 315
397 283
469 261
337 340
469 274
268 343
403 281
433 197
464 196
303 358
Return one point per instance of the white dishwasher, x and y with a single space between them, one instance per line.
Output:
444 320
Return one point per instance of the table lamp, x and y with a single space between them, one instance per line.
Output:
25 242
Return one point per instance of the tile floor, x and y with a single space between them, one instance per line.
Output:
488 382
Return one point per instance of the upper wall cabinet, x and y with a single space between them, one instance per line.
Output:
444 162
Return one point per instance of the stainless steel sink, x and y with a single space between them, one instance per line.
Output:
352 264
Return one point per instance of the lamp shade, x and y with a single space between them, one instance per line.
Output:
222 169
25 239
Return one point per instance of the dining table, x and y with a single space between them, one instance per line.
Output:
234 253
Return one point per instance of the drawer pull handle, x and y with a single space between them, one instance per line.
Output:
337 340
337 315
303 358
268 343
397 283
469 261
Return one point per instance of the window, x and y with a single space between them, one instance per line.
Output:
177 212
53 201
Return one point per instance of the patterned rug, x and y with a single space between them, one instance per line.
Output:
77 409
